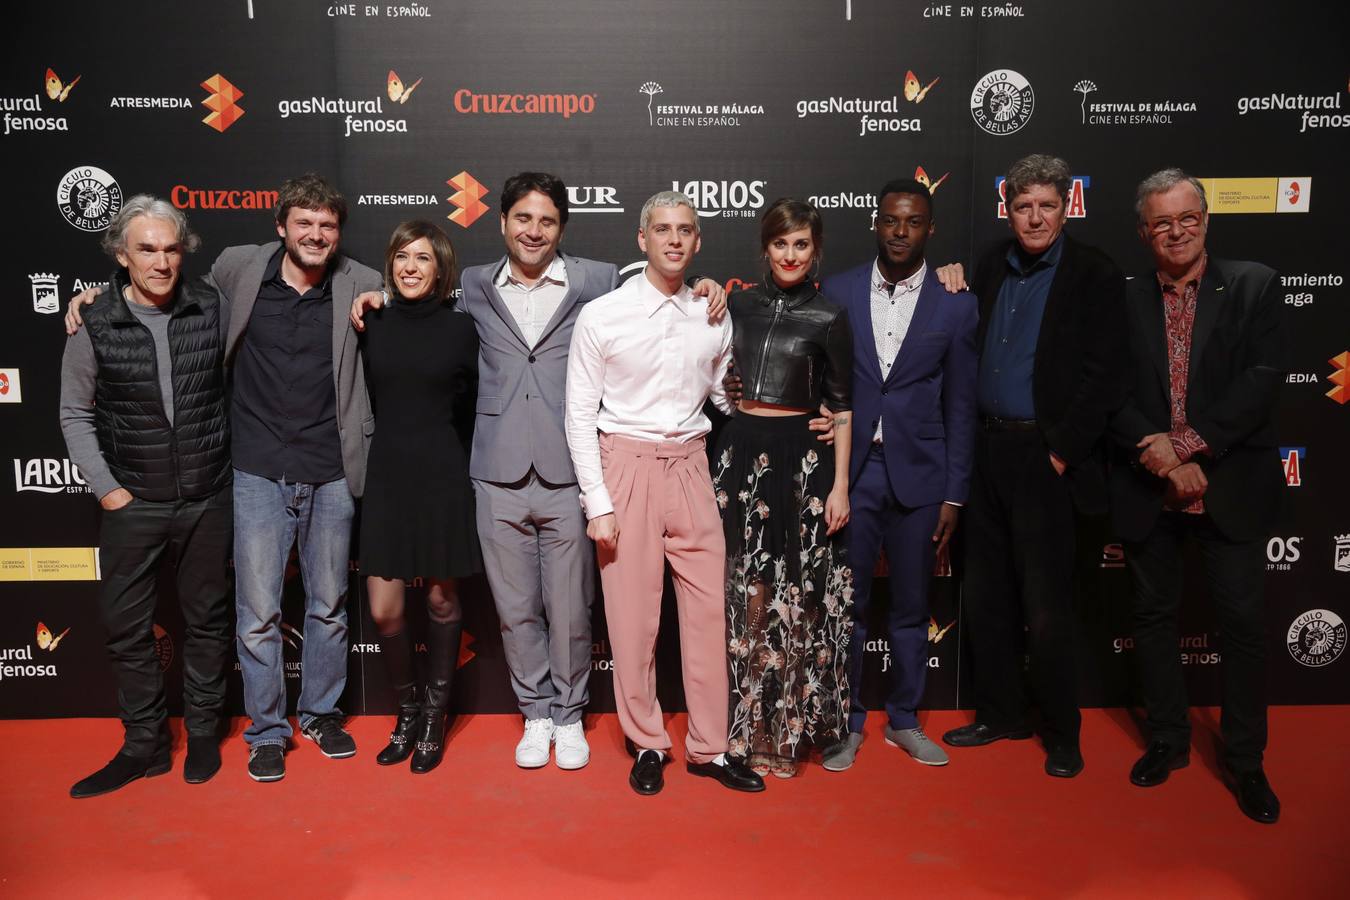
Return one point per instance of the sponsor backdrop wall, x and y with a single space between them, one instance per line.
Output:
423 110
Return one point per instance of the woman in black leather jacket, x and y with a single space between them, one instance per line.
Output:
783 496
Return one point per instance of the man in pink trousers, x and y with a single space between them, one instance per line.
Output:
644 358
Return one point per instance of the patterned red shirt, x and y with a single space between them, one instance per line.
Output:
1179 320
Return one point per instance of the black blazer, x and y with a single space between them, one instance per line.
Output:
1239 358
1078 378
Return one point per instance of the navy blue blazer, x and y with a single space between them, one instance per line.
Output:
927 403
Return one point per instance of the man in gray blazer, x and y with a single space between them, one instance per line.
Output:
300 425
540 564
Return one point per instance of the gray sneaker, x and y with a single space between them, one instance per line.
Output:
841 755
914 742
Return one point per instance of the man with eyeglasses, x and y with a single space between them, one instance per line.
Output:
1195 455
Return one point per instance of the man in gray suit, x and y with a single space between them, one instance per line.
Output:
540 564
300 426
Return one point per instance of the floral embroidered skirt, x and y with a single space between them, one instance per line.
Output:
789 590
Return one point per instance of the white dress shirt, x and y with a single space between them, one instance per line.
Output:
893 308
641 365
533 306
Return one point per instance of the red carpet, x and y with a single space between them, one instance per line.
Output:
989 825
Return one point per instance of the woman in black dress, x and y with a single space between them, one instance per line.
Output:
784 499
417 519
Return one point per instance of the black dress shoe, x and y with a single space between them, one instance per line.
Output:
978 734
1254 796
401 740
733 774
203 758
1063 761
1158 762
646 776
119 772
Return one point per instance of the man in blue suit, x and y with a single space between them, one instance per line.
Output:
914 366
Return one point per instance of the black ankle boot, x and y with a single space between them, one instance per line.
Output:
121 771
443 653
396 651
401 739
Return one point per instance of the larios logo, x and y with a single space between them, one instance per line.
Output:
361 116
88 198
56 92
185 197
1293 465
1002 102
49 476
1282 553
1307 104
729 199
710 115
566 105
878 115
1129 112
1077 207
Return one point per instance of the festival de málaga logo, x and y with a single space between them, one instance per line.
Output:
720 113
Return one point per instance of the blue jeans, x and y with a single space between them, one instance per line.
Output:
268 518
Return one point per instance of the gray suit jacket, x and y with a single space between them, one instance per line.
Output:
238 273
520 388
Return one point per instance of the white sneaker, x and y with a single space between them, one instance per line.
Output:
532 751
570 750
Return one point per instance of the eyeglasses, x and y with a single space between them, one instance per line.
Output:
1189 221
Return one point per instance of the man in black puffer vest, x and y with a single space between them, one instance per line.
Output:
143 412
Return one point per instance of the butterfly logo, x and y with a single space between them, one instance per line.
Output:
922 178
936 634
914 93
397 92
45 641
58 91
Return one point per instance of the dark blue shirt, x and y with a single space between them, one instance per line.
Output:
283 408
1009 353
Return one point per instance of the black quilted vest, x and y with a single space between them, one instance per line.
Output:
149 457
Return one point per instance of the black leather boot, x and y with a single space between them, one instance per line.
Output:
396 650
443 653
121 771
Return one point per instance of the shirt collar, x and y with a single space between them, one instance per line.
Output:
273 274
1194 276
652 299
1047 260
905 286
556 273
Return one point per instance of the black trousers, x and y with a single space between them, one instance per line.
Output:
133 540
1235 571
1018 596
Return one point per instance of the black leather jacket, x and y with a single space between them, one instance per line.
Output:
792 348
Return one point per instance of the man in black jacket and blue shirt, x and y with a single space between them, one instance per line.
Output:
143 413
1052 361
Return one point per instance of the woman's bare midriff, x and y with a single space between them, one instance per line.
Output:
756 408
